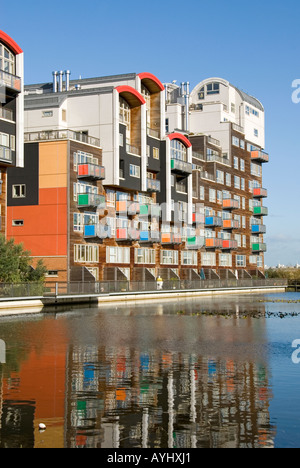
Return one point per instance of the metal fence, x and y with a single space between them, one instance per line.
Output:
122 287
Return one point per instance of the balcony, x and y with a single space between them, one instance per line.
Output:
181 167
198 218
213 243
133 208
5 155
11 81
133 150
51 135
195 242
260 193
97 231
91 171
230 245
91 200
230 224
259 247
153 185
230 204
258 229
259 156
121 206
150 236
153 211
213 221
260 211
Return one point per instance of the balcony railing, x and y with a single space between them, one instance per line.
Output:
260 211
61 135
91 171
219 159
181 167
230 204
97 231
6 114
230 245
259 156
153 185
213 221
150 236
260 193
195 242
206 175
133 149
153 210
258 229
213 243
230 224
91 199
11 81
153 133
5 154
259 247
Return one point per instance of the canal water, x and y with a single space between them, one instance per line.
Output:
211 372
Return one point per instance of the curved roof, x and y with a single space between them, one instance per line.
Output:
180 137
152 82
245 97
132 96
10 43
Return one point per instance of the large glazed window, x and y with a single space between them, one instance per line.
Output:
7 60
124 112
147 96
178 151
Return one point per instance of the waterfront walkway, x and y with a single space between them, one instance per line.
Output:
34 298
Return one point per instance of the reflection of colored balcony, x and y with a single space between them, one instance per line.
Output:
91 171
230 245
133 234
258 229
97 231
121 206
230 224
213 221
153 185
181 167
213 243
259 156
133 208
150 210
230 204
91 199
259 247
195 242
260 211
260 193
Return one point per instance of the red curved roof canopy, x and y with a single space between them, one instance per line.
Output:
132 96
10 43
152 82
180 137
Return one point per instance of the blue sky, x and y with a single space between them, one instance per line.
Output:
255 45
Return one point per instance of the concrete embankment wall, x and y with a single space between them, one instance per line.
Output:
27 306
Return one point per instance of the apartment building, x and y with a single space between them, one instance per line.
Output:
11 115
226 129
180 192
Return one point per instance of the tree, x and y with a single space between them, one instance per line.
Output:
15 264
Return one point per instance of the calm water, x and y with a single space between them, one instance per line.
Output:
204 373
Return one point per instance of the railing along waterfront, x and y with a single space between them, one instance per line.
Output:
98 288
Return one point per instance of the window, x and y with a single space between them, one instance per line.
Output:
225 260
213 88
212 195
237 182
4 139
242 165
18 222
178 151
121 139
145 256
155 153
228 180
220 177
232 108
255 132
235 141
241 260
19 191
124 112
134 171
208 259
110 198
167 125
47 114
169 257
7 60
201 94
189 257
118 255
201 193
77 222
236 162
242 183
86 253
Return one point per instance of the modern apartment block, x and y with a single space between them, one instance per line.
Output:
11 115
141 179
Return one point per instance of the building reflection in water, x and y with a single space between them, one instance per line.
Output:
169 376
